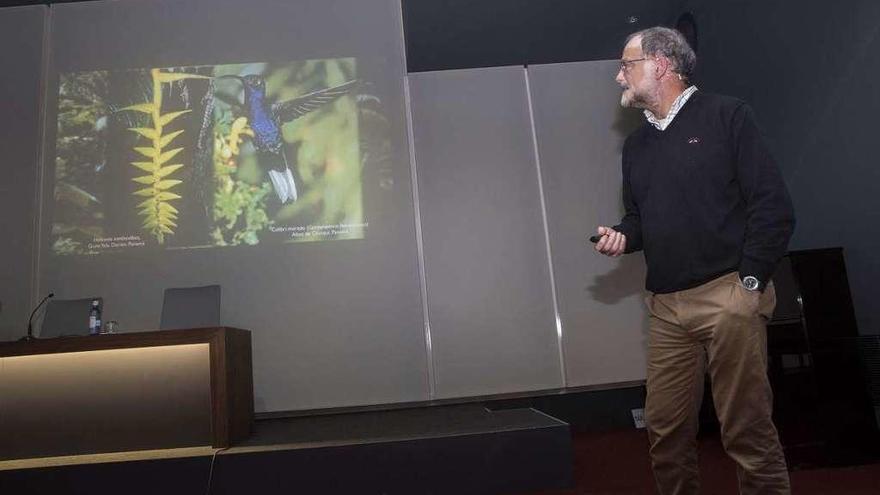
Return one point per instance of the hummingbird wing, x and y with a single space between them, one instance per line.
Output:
288 110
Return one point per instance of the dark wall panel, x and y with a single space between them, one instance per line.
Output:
455 34
810 70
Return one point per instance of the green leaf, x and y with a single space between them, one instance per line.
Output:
167 169
144 192
145 166
145 132
147 203
168 137
167 207
165 196
164 157
168 117
146 179
147 152
167 184
143 107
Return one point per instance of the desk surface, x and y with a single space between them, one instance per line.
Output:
125 340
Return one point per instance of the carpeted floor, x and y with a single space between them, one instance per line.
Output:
616 463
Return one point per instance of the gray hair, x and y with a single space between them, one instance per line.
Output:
671 44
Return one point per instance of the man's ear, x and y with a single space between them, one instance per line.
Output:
661 67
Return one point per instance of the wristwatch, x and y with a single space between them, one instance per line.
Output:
751 282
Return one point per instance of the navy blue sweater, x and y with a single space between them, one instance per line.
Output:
704 197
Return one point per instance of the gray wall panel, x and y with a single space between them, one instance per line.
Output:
488 280
580 130
21 32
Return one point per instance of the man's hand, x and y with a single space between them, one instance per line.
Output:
612 243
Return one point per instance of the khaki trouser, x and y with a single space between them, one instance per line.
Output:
722 325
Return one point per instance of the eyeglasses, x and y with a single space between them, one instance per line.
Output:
626 64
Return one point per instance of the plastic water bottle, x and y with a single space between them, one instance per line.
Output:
95 318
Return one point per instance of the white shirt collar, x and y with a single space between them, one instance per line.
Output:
662 124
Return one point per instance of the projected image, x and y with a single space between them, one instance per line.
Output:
203 156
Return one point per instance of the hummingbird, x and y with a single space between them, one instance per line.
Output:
266 119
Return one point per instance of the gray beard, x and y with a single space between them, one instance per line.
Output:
633 101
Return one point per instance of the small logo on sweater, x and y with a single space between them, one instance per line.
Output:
694 140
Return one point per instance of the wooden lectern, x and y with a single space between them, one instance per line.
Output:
126 391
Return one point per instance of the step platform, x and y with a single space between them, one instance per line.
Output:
459 449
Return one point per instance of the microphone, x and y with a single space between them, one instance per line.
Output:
30 333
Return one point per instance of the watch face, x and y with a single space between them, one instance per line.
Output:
750 282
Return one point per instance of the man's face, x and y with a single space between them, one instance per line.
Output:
634 76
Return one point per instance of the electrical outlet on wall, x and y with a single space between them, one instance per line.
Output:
639 418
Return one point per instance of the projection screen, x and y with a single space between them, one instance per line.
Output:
256 145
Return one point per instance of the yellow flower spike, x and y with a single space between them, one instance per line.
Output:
159 215
239 127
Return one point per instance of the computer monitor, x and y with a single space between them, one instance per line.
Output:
67 317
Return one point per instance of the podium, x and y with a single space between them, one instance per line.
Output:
124 392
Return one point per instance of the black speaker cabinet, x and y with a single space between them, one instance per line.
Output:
822 402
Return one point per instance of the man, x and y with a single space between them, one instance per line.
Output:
706 202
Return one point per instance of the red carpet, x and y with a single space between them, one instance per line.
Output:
616 463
